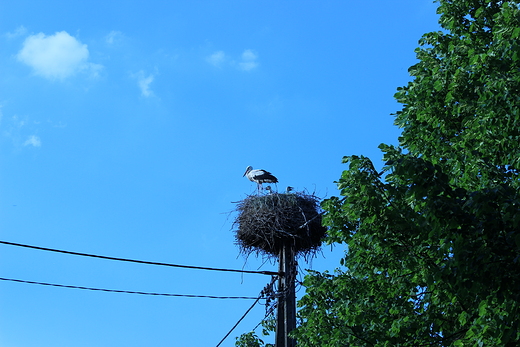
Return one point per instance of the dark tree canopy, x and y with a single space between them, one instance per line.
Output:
434 238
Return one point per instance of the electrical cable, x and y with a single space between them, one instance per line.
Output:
266 289
241 318
271 273
267 314
131 292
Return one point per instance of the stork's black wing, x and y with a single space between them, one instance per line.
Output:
265 177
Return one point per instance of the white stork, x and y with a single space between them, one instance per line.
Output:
259 176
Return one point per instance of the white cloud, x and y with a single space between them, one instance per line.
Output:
144 83
18 129
217 58
248 60
33 140
20 31
113 37
56 56
249 55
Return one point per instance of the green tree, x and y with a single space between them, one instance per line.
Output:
434 238
250 339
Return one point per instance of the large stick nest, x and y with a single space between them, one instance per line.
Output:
266 222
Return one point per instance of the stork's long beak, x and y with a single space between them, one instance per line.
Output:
244 173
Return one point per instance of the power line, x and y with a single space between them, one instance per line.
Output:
271 273
267 289
241 318
130 292
267 314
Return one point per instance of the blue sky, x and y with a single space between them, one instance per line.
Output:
126 126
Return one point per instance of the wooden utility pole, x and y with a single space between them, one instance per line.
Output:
286 309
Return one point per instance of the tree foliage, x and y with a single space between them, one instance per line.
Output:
250 339
434 238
